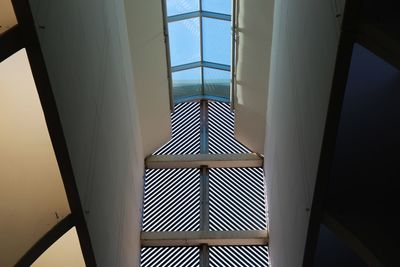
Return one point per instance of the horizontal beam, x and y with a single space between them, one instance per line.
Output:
214 15
246 160
199 64
199 98
210 238
198 14
184 16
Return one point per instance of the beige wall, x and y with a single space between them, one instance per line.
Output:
32 196
7 16
65 252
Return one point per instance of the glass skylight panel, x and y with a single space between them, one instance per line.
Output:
184 41
217 6
217 41
176 7
216 82
186 83
200 36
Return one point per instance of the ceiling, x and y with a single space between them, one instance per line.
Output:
7 16
32 195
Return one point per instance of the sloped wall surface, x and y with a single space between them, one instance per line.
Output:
304 45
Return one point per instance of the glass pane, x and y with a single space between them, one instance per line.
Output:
217 82
217 41
184 41
176 7
218 6
186 83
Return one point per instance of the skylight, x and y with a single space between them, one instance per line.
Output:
199 47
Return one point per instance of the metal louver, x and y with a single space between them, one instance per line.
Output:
185 122
212 212
221 130
235 256
237 200
171 200
170 256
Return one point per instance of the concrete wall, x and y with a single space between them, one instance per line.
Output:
304 44
86 49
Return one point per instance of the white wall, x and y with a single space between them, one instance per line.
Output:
86 50
149 60
304 45
254 55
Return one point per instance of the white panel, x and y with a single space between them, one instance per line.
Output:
255 37
303 57
32 196
7 16
86 51
146 40
65 252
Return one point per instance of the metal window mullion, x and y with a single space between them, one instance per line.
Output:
204 127
184 16
204 199
201 46
214 15
168 55
235 12
204 256
204 213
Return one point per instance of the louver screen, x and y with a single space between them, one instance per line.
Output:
254 256
170 256
237 200
171 200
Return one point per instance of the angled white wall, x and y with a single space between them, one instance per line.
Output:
305 38
147 46
87 53
254 53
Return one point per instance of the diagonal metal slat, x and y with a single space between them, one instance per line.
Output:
237 200
235 256
170 256
171 200
221 130
185 123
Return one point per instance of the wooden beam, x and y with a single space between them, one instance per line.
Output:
10 42
210 238
209 160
